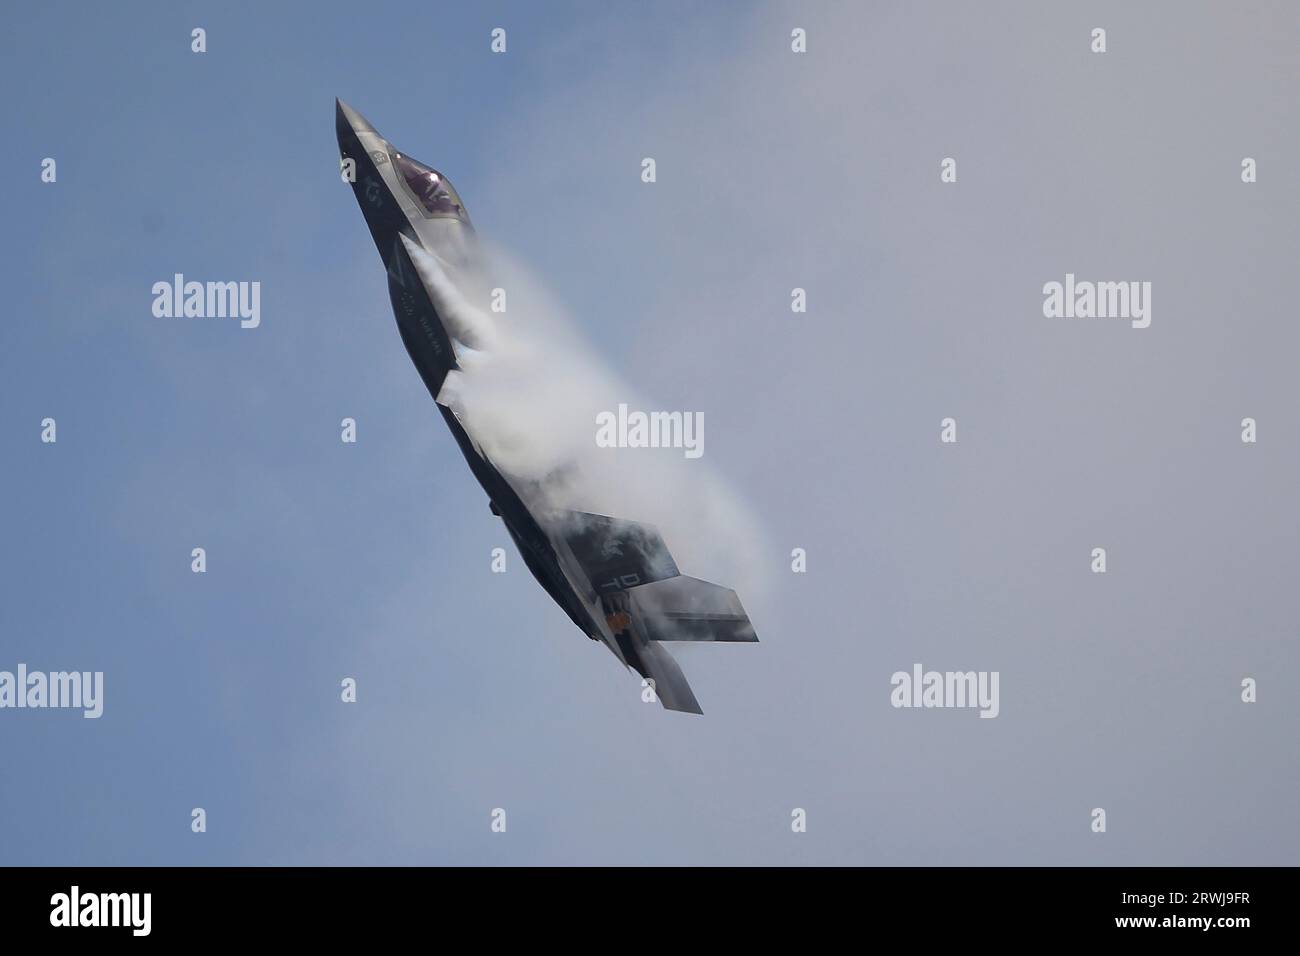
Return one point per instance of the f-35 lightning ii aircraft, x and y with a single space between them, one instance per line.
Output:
615 579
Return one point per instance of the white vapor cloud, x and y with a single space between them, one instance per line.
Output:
529 392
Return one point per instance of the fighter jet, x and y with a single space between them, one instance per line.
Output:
614 578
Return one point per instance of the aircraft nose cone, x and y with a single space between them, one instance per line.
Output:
346 116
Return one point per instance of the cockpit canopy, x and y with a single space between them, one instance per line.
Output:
429 188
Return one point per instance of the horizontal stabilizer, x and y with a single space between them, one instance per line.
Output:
682 608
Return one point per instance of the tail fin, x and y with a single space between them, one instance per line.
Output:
657 665
683 608
617 554
647 600
674 609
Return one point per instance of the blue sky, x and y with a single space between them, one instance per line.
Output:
372 561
